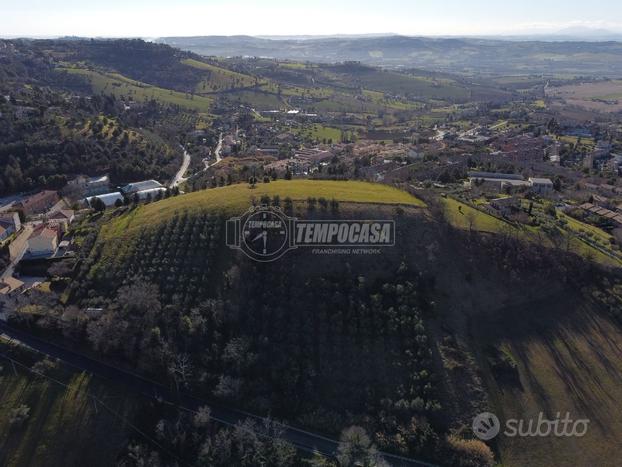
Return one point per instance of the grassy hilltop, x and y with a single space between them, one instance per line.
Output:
235 199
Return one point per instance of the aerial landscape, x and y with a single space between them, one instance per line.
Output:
284 236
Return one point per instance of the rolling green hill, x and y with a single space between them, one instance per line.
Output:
235 199
218 78
120 86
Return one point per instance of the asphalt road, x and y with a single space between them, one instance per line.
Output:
217 152
303 440
179 176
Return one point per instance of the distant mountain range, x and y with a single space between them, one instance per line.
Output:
463 55
573 34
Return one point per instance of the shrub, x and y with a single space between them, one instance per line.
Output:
468 453
19 415
45 366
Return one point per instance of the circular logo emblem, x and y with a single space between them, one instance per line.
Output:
486 426
265 234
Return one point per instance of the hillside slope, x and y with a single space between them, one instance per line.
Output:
410 343
569 360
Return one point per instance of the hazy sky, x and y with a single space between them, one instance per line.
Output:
152 18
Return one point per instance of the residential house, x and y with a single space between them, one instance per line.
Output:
505 206
9 224
43 241
612 216
9 285
4 233
542 186
61 218
599 200
37 203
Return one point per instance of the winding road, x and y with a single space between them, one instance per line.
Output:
301 439
179 177
217 152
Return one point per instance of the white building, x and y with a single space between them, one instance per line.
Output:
495 182
109 199
135 187
153 192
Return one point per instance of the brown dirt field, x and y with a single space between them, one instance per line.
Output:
602 96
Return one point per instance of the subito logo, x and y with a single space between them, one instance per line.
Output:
486 426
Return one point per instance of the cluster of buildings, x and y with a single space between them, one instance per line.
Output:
37 203
613 216
147 189
43 236
600 157
522 148
303 162
475 135
312 155
33 241
91 188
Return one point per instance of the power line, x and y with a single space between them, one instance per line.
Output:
290 432
96 400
